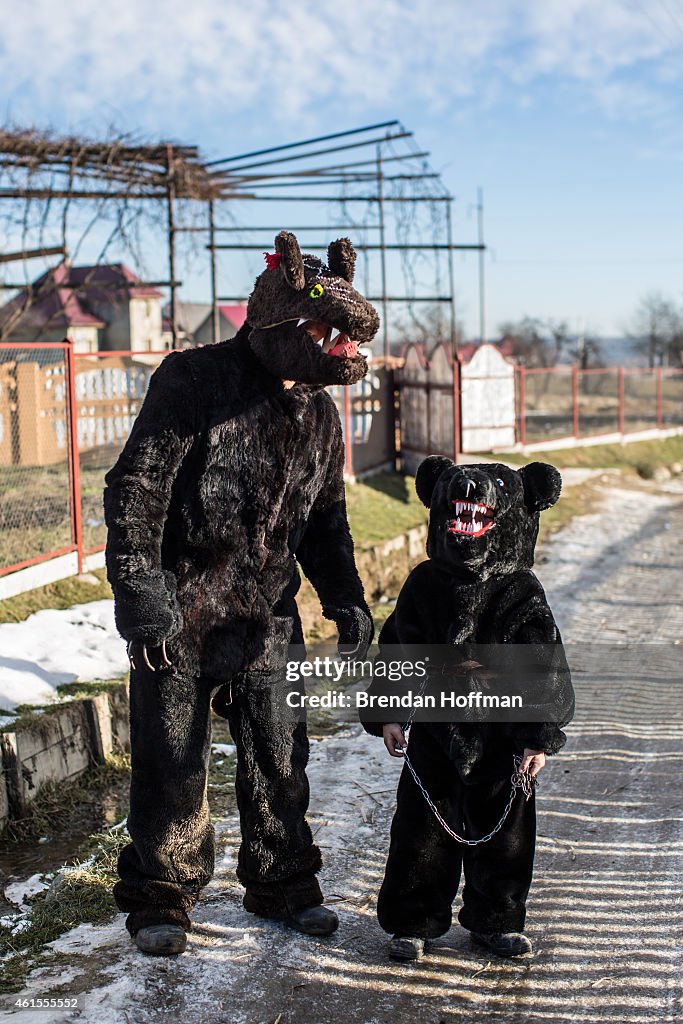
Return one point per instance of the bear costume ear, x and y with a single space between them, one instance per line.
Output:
341 258
292 261
542 485
427 474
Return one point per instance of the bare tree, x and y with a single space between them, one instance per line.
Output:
430 325
586 352
656 327
537 343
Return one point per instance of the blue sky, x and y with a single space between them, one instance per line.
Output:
567 112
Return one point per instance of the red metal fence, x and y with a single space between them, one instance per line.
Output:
566 402
65 415
64 418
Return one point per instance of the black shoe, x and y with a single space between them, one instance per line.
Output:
313 921
161 939
503 943
406 947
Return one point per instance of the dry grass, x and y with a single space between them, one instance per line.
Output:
641 457
80 892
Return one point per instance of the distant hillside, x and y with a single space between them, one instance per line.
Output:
621 352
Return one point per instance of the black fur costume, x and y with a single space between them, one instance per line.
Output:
228 479
475 588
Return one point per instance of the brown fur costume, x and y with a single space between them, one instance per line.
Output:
227 484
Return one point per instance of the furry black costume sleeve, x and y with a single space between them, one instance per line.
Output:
136 503
327 559
235 466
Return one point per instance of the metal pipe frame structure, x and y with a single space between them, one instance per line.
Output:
175 174
268 173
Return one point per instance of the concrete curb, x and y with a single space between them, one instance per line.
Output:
60 745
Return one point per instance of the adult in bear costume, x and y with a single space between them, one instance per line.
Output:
230 477
476 588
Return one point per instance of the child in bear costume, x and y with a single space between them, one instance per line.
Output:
476 588
231 478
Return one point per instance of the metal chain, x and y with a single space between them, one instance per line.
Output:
518 780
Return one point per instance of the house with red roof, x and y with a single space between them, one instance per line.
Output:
100 308
195 322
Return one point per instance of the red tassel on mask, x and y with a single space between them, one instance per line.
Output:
273 260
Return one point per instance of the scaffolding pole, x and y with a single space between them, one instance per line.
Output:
451 279
215 322
171 244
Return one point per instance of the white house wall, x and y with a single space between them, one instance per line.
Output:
145 325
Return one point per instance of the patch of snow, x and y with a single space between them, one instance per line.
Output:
54 647
18 892
16 924
226 749
86 937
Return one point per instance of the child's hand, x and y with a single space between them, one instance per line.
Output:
533 761
394 739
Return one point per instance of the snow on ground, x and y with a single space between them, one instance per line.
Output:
54 647
226 749
18 892
610 854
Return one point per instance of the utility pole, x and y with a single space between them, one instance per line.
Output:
482 289
451 279
215 323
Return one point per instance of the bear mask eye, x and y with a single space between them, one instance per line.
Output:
316 291
501 483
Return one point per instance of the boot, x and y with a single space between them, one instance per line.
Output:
406 947
313 921
503 943
161 939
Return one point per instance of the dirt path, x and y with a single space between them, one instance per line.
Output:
605 914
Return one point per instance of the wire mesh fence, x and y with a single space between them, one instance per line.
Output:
546 404
598 401
641 390
36 508
671 399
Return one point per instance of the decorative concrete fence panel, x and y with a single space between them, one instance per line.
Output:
451 405
487 401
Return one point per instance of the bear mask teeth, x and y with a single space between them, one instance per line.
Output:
334 342
472 519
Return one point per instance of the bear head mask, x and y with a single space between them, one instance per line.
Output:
298 289
483 519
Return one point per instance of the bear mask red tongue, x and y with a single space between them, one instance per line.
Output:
345 349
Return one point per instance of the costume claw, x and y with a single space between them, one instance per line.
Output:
129 652
145 658
164 656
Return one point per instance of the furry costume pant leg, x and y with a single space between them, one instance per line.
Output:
278 860
171 856
498 873
424 864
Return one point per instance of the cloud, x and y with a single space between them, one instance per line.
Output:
179 63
